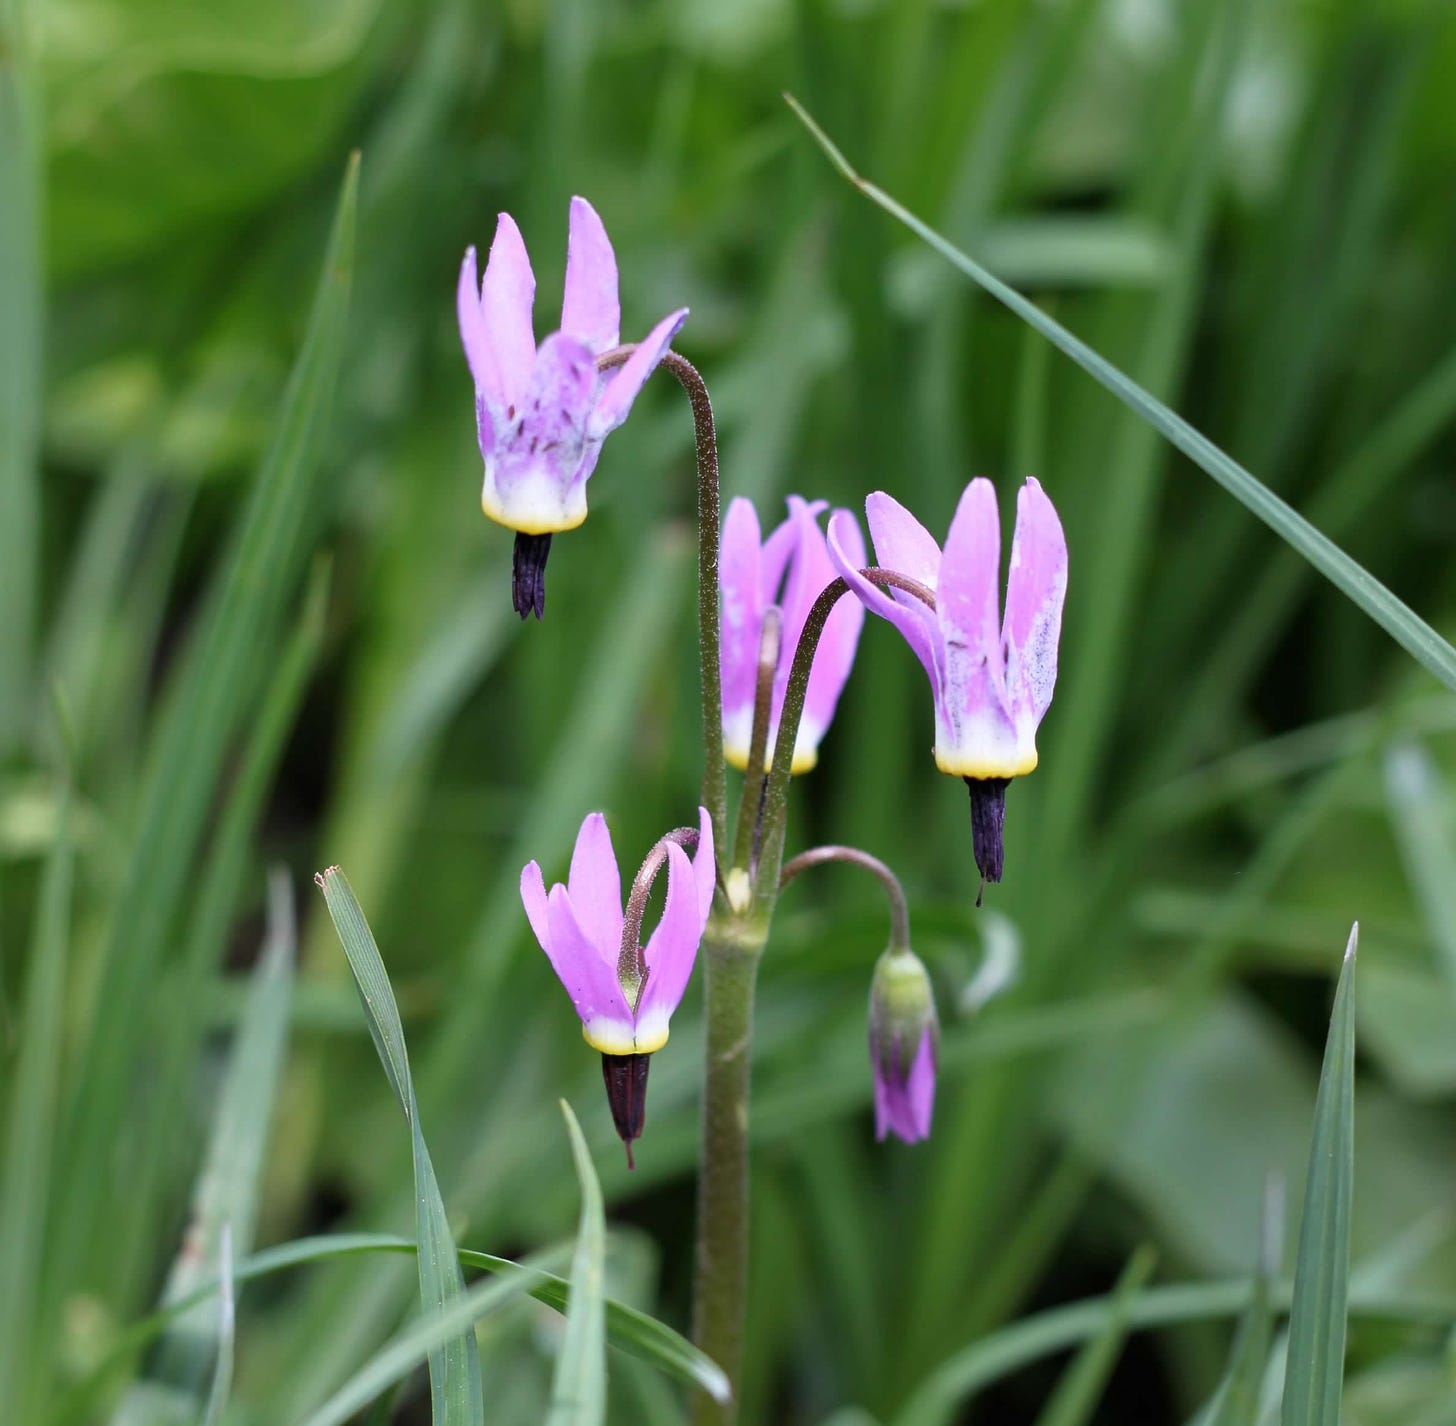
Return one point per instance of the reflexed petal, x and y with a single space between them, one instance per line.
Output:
705 865
590 311
1035 590
548 440
506 298
902 543
915 621
834 657
484 427
621 390
589 980
673 946
474 335
533 896
595 887
742 621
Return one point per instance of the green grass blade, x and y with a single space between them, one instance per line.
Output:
1082 1384
1315 1375
225 1200
222 1375
579 1386
1420 815
422 1339
213 695
454 1361
22 296
25 1181
1236 1401
628 1329
1407 628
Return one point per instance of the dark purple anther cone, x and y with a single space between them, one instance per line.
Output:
626 1079
528 574
988 820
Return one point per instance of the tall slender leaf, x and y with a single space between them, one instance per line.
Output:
579 1387
25 1179
1082 1384
213 695
1401 622
222 1372
225 1200
454 1361
1315 1375
22 293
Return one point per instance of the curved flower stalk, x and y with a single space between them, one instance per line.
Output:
542 412
624 993
992 678
790 569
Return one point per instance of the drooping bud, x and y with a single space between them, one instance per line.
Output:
528 574
904 1038
626 1079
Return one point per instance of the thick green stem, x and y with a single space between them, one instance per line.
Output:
730 955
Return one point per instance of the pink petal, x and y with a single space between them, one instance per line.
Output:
915 621
902 543
506 297
473 333
533 896
673 946
968 595
1035 590
589 980
834 657
621 390
705 866
742 619
920 1091
595 887
590 311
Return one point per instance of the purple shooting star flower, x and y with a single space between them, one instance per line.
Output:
789 569
624 1012
904 1036
991 685
542 413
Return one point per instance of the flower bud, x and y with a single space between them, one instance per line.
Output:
904 1035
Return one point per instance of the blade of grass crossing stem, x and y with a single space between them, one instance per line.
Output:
455 1391
25 1179
1315 1374
213 696
1406 627
628 1329
1420 816
579 1385
22 298
422 1339
1082 1384
990 1359
222 1373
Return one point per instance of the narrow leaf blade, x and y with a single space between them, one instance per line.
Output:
579 1387
1315 1374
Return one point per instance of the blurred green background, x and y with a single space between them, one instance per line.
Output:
1246 206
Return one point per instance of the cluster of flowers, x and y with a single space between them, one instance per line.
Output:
542 413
